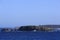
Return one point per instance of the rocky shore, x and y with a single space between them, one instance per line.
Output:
48 28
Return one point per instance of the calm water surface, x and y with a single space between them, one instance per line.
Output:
29 35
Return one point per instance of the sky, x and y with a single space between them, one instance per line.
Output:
29 12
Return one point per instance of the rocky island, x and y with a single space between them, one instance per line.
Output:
45 28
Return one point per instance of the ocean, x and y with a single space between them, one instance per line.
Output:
29 35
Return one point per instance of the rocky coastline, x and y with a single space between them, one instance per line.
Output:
45 28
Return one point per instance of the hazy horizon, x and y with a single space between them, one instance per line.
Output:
29 12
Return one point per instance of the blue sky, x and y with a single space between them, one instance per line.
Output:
29 12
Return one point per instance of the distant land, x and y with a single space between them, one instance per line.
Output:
48 28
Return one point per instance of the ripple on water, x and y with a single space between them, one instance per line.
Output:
29 35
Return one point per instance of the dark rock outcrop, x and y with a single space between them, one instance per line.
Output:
27 28
34 28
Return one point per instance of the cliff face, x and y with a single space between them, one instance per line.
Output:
32 28
26 28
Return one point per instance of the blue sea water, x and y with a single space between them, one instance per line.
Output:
29 35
